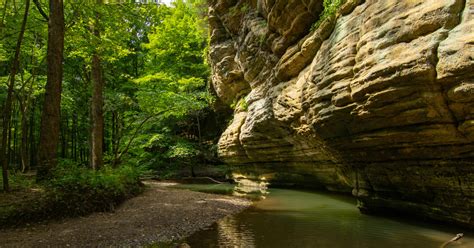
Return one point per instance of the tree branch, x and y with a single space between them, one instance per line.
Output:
38 6
133 137
118 156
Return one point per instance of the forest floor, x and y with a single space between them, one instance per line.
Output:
160 214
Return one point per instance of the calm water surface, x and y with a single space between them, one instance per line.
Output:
295 218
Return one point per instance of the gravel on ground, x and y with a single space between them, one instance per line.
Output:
160 214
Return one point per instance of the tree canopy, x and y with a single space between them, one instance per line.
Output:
150 60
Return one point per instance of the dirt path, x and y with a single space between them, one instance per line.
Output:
159 214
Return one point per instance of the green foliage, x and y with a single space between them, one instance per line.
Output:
245 8
72 191
330 9
172 88
153 59
19 181
3 55
168 95
183 150
176 46
78 190
241 104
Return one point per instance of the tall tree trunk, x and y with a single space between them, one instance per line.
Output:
97 114
50 119
97 134
8 104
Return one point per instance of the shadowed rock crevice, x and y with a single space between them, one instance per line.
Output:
444 89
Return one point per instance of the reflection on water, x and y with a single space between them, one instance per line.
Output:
293 218
246 188
254 192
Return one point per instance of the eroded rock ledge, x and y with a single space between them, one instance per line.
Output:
377 101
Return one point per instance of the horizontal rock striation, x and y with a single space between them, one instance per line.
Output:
377 100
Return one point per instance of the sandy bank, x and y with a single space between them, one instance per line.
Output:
159 214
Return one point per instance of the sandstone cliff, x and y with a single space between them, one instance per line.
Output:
377 100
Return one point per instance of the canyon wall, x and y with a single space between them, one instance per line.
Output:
377 100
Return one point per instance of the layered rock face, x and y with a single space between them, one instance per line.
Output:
377 100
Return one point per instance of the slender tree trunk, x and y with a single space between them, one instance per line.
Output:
63 137
97 134
8 103
32 142
118 155
25 163
104 131
24 101
74 136
114 130
15 136
50 119
199 128
9 138
118 137
68 134
112 136
82 154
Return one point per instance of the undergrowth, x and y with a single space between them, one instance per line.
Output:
19 181
330 9
79 190
72 191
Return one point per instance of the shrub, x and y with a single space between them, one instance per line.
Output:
73 191
77 190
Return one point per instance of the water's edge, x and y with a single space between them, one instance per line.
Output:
304 218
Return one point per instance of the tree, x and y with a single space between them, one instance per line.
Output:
8 104
172 88
97 134
150 55
50 119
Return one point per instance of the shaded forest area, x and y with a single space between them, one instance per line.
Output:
93 94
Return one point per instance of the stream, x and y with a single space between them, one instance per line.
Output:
298 218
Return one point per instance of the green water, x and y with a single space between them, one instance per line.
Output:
294 218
